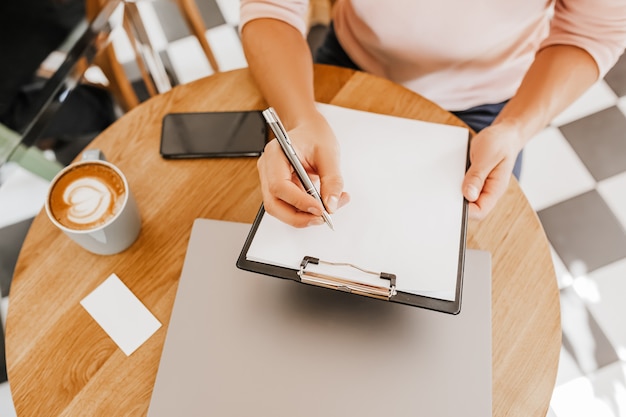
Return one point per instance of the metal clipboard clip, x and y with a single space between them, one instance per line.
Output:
369 287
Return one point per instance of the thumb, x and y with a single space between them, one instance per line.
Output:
473 182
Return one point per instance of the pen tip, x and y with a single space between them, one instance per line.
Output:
328 221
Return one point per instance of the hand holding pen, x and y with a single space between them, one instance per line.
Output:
283 194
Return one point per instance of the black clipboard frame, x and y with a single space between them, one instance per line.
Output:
435 304
415 300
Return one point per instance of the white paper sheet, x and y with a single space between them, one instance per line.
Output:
405 215
120 314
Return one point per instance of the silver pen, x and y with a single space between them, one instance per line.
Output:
277 127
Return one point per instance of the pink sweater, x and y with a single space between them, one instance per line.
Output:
460 53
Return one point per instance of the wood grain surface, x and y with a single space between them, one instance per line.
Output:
61 363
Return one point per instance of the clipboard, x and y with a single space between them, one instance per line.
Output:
386 246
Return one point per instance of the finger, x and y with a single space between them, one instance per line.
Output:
276 199
283 196
294 195
331 180
279 180
343 200
494 187
474 181
289 215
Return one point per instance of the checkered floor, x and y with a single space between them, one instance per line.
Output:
574 175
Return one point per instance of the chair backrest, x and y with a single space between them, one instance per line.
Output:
151 68
191 14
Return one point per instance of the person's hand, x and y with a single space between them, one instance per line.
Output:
283 194
492 156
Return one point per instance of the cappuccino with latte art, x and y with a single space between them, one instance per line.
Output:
91 203
87 196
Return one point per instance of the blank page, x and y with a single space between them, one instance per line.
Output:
405 216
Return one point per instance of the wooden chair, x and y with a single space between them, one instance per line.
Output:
191 14
151 68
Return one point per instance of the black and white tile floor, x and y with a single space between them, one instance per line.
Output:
574 175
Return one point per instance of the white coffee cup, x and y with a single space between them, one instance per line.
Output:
90 201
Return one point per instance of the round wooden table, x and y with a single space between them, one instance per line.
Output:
61 363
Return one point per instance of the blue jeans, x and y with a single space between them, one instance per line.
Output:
332 53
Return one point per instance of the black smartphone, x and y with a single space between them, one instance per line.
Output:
213 134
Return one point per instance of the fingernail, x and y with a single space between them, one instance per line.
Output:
316 221
333 202
314 211
472 193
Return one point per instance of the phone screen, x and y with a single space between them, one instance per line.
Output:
213 134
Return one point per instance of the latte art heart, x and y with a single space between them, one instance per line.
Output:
88 200
87 196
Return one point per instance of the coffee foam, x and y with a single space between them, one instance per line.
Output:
88 200
87 196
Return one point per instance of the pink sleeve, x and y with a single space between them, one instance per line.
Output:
597 26
293 12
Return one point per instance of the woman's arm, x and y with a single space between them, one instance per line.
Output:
586 39
281 63
557 77
279 59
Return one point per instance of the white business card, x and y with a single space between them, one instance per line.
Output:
121 314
